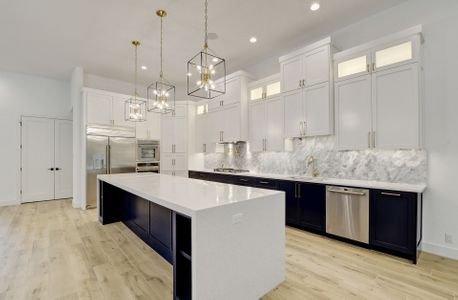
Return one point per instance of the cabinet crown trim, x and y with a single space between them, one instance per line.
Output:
318 44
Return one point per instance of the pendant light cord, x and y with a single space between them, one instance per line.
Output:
135 72
206 25
161 74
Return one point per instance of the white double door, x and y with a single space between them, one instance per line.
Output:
46 159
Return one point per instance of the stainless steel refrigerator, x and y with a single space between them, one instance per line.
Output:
108 151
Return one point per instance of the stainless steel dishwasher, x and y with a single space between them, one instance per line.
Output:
347 213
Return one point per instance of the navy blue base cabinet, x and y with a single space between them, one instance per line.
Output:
395 222
395 217
165 231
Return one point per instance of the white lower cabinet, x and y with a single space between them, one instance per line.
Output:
176 173
379 110
308 112
174 164
266 121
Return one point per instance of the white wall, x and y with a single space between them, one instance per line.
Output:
24 95
440 25
76 86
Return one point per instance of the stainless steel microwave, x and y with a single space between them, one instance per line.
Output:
148 151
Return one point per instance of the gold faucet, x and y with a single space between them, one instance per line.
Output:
311 161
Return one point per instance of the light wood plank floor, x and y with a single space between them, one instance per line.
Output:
48 250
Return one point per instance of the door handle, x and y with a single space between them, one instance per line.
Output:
305 128
300 81
391 194
347 192
301 128
243 180
298 190
369 140
373 139
295 190
264 182
58 169
51 169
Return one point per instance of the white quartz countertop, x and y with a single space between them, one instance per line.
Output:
393 186
184 195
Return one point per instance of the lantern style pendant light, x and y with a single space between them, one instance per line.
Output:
206 76
135 109
161 94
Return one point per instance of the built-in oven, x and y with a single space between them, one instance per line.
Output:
148 151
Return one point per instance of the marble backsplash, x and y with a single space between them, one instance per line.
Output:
406 166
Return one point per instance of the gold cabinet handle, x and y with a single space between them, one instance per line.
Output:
369 140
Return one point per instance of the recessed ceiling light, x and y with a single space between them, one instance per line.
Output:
315 6
144 67
253 39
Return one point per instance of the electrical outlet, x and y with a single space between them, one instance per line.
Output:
448 238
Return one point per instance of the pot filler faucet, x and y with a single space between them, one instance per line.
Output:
311 161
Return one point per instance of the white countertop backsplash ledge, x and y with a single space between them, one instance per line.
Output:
391 166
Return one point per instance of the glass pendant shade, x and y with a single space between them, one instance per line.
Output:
134 108
161 94
161 97
206 77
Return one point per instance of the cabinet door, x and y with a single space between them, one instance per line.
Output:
397 53
167 134
180 111
160 228
98 109
180 129
316 66
353 113
275 111
231 123
291 74
150 129
317 110
199 133
63 159
167 162
396 108
256 93
291 202
233 92
180 163
257 129
312 205
294 116
392 220
119 113
353 66
214 127
37 159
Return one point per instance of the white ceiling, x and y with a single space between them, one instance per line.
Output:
50 37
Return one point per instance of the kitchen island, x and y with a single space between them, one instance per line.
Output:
224 241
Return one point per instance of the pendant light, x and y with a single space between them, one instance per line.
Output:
135 109
206 77
161 94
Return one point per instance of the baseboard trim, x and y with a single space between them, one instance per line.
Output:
9 203
440 250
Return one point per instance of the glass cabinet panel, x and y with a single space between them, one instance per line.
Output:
393 55
202 109
273 89
352 66
256 93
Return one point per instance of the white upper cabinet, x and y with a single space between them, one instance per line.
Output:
353 113
265 88
307 91
266 125
318 111
119 114
258 128
104 108
98 109
291 74
396 111
294 114
316 66
150 129
353 66
379 107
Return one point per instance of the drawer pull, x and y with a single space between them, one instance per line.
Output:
391 194
244 180
264 182
347 192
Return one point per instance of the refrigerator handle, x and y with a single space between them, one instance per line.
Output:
107 158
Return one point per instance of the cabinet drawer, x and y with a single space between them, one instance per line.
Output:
266 183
